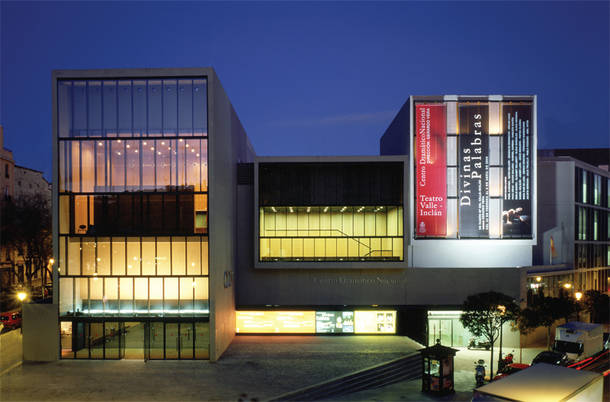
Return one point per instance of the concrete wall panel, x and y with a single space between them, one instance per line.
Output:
40 332
228 146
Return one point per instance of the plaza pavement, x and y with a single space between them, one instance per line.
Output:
254 367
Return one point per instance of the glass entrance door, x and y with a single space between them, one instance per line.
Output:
134 340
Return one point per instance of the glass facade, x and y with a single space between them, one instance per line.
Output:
340 211
347 233
446 326
592 230
133 218
153 340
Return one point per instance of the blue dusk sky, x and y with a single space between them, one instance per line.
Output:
318 78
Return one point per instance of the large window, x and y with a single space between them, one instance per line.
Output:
132 108
347 233
120 165
134 213
133 256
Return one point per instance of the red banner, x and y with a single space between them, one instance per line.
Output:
431 170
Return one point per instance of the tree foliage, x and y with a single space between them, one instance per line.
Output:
26 230
597 304
543 311
483 314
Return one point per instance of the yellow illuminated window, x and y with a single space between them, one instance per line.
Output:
332 233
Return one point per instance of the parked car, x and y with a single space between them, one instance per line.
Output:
558 359
11 319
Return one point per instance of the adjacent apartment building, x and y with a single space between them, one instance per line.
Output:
573 251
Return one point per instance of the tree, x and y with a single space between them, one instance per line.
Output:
483 314
597 304
543 311
26 229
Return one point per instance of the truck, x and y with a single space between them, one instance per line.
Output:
579 340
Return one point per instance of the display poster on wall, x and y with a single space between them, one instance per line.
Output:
334 322
431 173
517 144
375 322
473 173
278 322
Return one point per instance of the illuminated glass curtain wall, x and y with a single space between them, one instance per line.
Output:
331 233
339 211
133 182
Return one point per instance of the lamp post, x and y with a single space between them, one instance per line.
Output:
502 311
578 296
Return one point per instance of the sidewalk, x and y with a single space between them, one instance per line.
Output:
259 366
10 349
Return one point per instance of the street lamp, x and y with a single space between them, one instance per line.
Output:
21 296
502 311
578 296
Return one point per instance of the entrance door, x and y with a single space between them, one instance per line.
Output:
134 333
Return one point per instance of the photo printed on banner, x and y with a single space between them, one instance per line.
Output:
473 174
517 144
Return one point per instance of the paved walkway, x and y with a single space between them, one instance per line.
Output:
10 350
259 366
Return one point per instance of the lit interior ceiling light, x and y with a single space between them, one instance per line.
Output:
308 209
325 209
118 153
567 285
187 145
136 151
128 146
343 209
119 141
538 278
144 143
162 142
291 210
100 144
159 153
181 140
197 155
273 209
152 148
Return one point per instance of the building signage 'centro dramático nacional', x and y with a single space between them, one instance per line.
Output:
473 168
431 170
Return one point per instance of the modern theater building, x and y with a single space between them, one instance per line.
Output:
171 236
